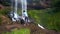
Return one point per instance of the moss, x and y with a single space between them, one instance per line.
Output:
46 18
0 21
20 31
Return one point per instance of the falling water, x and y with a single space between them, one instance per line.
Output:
13 14
24 7
16 6
24 10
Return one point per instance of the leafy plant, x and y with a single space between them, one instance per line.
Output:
20 31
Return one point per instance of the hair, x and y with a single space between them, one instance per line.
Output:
23 11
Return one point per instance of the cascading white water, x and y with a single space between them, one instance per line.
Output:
16 5
24 7
14 14
15 10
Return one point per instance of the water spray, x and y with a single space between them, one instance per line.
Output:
14 15
24 10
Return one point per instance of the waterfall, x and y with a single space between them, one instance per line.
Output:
14 15
24 11
16 6
15 10
24 7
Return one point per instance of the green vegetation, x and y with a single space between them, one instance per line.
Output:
55 3
0 20
5 2
49 18
18 31
5 11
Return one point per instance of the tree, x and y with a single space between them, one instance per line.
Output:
55 3
5 2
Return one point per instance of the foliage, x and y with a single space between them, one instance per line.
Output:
20 31
5 11
49 18
0 20
5 2
55 3
34 14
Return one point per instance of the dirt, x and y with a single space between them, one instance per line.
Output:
8 25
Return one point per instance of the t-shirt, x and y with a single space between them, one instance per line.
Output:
25 14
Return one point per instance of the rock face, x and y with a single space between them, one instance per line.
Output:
34 29
7 26
5 20
39 3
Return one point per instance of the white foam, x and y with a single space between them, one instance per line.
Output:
13 20
41 26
